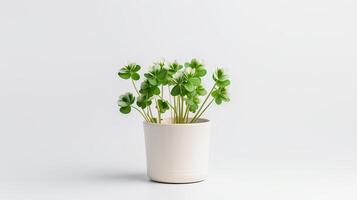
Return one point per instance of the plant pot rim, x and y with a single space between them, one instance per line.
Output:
200 121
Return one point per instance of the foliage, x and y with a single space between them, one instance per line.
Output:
221 79
184 90
143 101
163 105
130 71
125 102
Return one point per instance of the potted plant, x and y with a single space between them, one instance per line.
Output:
177 147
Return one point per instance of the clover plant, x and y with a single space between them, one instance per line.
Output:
173 88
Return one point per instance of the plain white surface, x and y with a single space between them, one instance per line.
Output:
289 133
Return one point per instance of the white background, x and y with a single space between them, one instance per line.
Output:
289 132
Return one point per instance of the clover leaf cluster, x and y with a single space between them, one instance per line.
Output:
174 88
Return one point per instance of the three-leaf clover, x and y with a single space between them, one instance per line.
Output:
130 71
125 101
219 95
200 70
192 101
200 90
174 67
148 89
143 101
179 88
158 75
221 78
191 82
163 105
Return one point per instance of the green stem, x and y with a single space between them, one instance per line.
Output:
144 113
186 114
173 108
175 114
168 87
148 114
182 106
158 112
207 97
136 89
178 109
169 104
152 116
140 113
203 111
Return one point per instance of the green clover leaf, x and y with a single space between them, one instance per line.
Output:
164 76
125 110
174 67
130 71
198 67
148 89
163 105
143 101
185 82
200 90
135 76
189 86
125 101
220 95
159 75
194 81
192 101
224 83
152 78
221 78
194 63
180 88
200 72
219 75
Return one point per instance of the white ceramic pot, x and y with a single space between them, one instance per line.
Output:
177 153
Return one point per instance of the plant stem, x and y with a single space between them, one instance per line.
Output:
208 95
142 114
178 108
186 114
173 108
175 114
203 111
145 114
148 114
182 105
158 112
168 87
136 89
152 116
